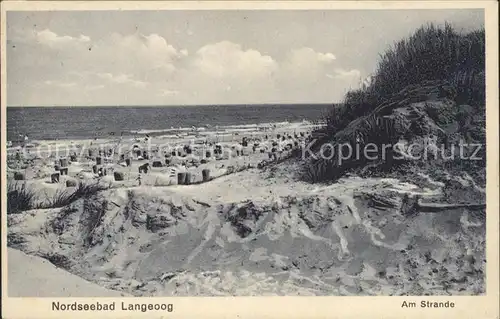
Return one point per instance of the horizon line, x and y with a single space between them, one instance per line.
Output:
174 105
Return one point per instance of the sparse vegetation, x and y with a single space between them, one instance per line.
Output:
19 198
430 54
63 197
58 224
59 261
94 211
434 63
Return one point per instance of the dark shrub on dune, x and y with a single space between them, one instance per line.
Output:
431 53
456 61
19 198
83 190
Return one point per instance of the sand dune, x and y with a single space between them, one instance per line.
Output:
252 229
31 276
245 234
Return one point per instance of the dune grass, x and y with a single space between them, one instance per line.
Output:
19 198
64 197
430 54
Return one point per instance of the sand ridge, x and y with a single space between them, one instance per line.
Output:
184 240
252 229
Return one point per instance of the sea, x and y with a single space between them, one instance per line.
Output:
60 123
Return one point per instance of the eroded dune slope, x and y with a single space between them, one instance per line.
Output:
248 234
31 276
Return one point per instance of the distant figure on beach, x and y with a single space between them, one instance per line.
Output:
144 168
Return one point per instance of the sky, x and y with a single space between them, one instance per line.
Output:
96 58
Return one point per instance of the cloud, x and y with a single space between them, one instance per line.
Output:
141 48
305 57
122 79
228 60
326 57
59 84
146 69
307 64
95 87
48 40
351 78
51 39
146 58
166 92
206 75
348 73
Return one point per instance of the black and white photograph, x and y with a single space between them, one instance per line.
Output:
189 153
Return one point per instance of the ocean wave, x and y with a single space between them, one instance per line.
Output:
227 128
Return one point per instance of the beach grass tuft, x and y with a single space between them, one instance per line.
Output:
63 197
19 198
431 54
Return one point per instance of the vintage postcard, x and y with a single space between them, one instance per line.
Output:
261 159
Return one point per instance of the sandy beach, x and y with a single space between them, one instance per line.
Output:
193 151
249 157
249 228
